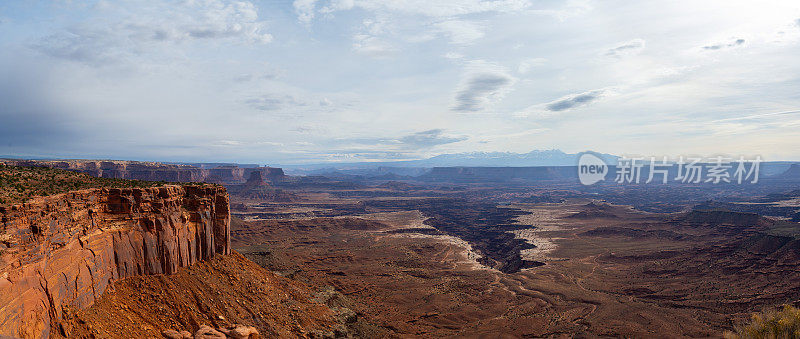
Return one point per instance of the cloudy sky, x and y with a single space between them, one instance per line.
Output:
280 82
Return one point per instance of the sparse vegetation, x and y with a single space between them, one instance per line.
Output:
783 324
19 184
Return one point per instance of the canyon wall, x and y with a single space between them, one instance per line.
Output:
61 252
154 171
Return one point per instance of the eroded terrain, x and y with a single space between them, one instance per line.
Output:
421 259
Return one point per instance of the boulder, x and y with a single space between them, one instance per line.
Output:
243 332
206 332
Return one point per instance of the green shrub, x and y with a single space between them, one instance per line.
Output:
783 324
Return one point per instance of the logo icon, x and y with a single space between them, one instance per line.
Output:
591 169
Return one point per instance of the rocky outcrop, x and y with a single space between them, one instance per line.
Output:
256 179
62 251
236 331
154 171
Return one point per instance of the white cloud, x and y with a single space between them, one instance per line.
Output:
527 64
338 5
288 104
570 9
461 32
627 48
115 32
202 69
229 143
373 46
453 55
306 9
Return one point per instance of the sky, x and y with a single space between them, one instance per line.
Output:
307 81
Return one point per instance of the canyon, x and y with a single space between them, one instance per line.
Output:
477 252
450 252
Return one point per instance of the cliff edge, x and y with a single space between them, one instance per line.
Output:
154 171
63 251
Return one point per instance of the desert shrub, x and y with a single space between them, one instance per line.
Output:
18 184
783 324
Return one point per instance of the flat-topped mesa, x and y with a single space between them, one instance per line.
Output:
154 171
62 251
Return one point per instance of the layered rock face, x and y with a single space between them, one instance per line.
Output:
62 251
154 171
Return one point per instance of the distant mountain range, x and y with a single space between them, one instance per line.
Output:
500 159
468 159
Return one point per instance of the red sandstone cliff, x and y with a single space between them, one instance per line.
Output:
64 250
